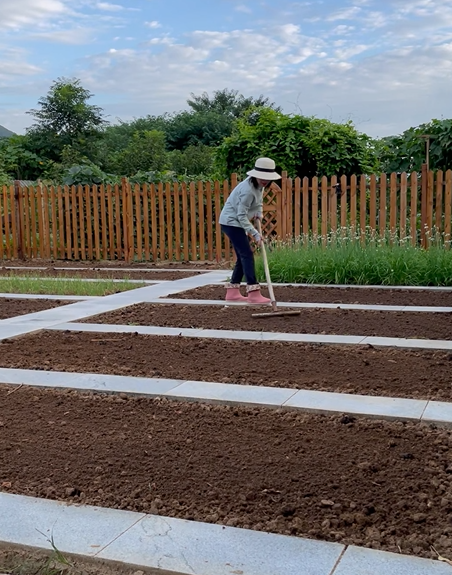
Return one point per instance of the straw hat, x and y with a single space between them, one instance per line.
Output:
264 168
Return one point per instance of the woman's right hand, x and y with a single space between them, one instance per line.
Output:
258 239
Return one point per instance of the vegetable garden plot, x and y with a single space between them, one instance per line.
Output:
346 369
12 307
318 321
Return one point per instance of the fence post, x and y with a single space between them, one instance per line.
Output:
424 192
125 219
19 212
282 226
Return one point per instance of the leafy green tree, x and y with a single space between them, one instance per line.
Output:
65 118
192 161
407 152
18 161
228 103
300 145
146 151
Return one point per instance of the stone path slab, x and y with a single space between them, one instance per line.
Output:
426 411
189 547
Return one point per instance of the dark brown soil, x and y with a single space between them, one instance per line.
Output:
348 369
349 295
318 321
99 273
10 307
372 483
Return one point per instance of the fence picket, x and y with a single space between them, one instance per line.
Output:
177 220
315 206
403 205
413 208
209 219
448 209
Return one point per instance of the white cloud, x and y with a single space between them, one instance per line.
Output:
109 7
243 8
153 24
19 13
76 36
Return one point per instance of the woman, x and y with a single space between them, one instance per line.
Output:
245 204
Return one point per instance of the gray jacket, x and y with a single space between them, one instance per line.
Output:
244 203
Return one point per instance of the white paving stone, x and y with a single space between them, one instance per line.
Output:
141 329
408 343
360 561
438 412
385 407
313 338
52 297
232 394
37 377
79 530
134 385
208 549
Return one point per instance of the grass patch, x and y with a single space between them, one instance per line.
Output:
64 286
345 259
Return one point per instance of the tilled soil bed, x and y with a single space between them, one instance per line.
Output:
99 273
348 295
10 307
318 321
189 265
347 369
365 482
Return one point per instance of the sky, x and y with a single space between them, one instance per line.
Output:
385 65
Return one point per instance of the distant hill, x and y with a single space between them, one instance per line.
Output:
4 133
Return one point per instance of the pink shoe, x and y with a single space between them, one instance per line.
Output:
255 296
233 293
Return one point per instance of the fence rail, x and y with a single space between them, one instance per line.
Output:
151 222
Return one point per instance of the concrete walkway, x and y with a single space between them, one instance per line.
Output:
183 546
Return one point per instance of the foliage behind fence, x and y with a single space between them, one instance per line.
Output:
151 222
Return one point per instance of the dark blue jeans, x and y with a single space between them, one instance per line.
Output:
245 257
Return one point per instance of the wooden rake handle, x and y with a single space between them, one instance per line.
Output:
267 271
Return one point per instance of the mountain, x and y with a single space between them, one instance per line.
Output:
4 133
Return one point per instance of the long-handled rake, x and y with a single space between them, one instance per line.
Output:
274 305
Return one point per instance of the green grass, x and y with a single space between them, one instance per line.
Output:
346 260
54 286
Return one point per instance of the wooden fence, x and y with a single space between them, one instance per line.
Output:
151 222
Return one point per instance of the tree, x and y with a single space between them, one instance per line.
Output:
65 119
407 152
145 152
300 145
17 161
228 103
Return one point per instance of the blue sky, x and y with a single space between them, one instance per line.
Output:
386 65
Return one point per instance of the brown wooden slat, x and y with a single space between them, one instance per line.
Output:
169 220
298 218
403 205
154 228
333 204
193 226
343 182
430 202
146 230
177 221
13 211
138 224
53 207
75 231
315 206
353 203
125 187
81 221
184 192
362 206
89 222
111 221
40 212
161 211
373 204
393 204
130 225
210 222
439 201
201 225
61 228
383 202
103 219
324 208
3 216
96 223
47 216
413 208
448 209
34 221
